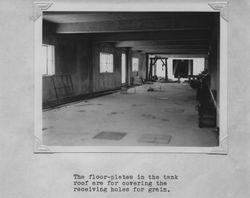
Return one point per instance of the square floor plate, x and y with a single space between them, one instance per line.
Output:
110 135
157 139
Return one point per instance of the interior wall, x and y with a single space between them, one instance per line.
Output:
79 57
106 81
71 58
142 65
83 78
213 66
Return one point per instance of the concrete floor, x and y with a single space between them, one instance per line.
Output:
164 117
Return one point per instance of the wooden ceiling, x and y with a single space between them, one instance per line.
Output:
149 32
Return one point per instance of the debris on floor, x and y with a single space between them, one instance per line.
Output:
81 111
150 89
164 119
149 116
114 113
137 105
163 98
174 110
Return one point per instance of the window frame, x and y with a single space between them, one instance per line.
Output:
137 60
50 69
110 71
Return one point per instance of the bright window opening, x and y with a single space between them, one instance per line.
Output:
48 59
135 64
106 63
123 68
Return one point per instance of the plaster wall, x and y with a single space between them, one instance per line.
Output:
142 65
106 81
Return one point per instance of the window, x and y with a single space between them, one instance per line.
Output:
106 63
48 59
199 65
123 68
135 64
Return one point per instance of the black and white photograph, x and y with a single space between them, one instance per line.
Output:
123 98
131 79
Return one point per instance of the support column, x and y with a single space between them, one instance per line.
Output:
150 69
190 67
128 66
166 69
147 66
206 63
91 73
155 61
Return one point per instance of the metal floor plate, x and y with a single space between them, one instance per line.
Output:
156 139
110 135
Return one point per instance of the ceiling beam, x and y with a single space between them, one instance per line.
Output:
189 42
176 47
179 55
132 26
162 35
173 51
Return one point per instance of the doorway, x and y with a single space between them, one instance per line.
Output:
123 70
182 68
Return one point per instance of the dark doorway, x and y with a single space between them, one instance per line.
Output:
182 68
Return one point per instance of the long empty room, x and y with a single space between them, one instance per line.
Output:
130 79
